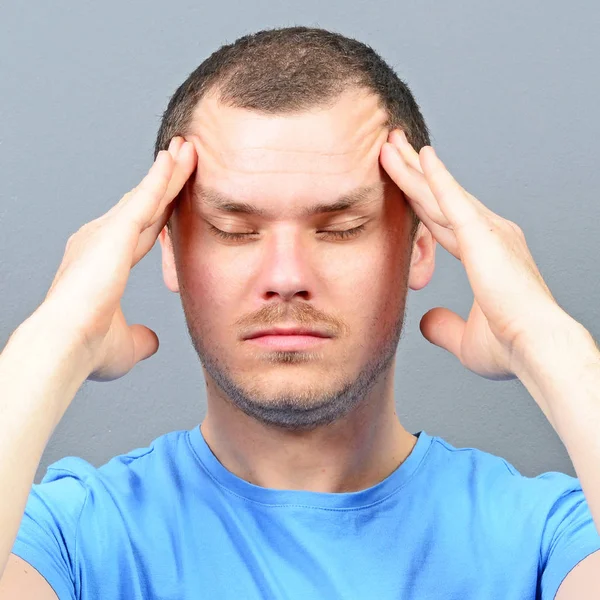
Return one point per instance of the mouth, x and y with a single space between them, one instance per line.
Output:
290 338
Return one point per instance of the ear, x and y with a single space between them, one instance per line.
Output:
168 260
422 260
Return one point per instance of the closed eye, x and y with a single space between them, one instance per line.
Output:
343 234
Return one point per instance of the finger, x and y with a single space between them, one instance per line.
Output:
166 191
145 342
444 236
458 206
443 328
179 155
412 183
175 145
409 154
148 183
149 192
150 234
184 166
173 150
420 197
148 237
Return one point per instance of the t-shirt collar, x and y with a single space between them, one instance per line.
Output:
330 501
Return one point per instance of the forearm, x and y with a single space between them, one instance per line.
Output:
562 373
40 373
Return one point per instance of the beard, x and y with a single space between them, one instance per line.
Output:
311 407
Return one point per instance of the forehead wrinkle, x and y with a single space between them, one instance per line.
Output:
245 141
354 199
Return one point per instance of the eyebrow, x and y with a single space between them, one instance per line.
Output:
353 199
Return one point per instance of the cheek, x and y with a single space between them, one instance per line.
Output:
210 286
214 285
368 286
207 280
368 268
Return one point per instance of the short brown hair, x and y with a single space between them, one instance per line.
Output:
288 70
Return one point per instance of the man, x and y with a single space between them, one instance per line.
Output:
303 216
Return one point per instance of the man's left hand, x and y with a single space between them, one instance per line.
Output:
512 303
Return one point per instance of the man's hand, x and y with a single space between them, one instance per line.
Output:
86 292
515 327
511 300
78 332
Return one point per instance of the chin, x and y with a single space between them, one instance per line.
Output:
295 397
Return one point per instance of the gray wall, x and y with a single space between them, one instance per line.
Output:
510 90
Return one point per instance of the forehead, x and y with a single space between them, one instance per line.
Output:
341 141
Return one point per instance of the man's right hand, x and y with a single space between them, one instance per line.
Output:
78 332
86 292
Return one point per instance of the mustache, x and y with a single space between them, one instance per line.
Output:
305 315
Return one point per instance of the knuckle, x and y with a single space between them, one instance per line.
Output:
76 235
85 231
70 242
128 195
515 229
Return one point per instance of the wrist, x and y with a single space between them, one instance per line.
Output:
556 340
43 351
552 359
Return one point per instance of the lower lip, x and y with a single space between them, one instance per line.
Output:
288 342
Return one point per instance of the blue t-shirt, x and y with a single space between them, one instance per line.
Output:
169 521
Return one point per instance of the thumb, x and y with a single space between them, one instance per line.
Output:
145 342
444 328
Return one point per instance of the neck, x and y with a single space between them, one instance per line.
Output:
351 454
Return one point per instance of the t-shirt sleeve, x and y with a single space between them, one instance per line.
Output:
47 537
569 533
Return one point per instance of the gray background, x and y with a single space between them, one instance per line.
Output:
510 91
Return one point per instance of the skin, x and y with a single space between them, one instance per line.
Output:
514 329
321 419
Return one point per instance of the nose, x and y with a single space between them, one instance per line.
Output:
285 271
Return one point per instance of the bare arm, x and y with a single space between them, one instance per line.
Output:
78 333
22 581
515 327
40 373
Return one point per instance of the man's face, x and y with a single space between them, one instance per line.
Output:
289 257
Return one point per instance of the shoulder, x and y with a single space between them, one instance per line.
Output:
486 492
486 477
152 463
75 495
